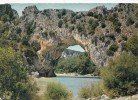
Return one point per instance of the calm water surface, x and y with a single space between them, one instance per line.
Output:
74 83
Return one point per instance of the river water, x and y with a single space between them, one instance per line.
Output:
74 83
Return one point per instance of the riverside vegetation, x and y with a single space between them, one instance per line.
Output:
18 54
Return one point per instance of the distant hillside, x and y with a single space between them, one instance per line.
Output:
70 53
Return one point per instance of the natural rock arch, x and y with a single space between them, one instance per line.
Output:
52 30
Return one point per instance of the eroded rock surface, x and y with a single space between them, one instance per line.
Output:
50 31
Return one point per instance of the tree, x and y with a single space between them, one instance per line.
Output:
60 24
120 76
14 81
132 44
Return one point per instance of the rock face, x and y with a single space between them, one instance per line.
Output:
50 31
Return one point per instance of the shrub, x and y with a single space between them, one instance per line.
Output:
103 25
132 44
93 90
111 36
5 18
60 24
73 14
73 20
109 52
113 47
136 25
93 24
64 12
65 19
120 76
14 79
80 28
71 28
56 91
95 15
124 37
90 14
47 13
59 15
129 21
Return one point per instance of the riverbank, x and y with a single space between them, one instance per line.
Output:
75 74
73 83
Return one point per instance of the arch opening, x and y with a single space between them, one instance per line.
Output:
74 60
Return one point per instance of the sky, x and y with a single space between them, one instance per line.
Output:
19 7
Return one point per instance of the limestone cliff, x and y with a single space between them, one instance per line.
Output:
50 31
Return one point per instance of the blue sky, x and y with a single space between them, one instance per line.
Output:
72 6
19 7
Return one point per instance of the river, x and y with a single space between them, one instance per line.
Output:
73 83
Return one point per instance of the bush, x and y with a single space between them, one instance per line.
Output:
120 76
73 14
111 36
113 47
73 20
103 25
56 91
90 14
132 44
136 25
71 28
5 18
92 90
129 21
13 78
93 24
64 12
109 52
80 28
124 37
60 24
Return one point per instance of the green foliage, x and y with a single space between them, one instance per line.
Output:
47 13
73 20
73 14
111 36
132 44
80 27
13 78
113 47
102 38
103 25
61 13
71 28
60 24
56 91
116 23
90 14
93 90
129 21
124 37
120 76
109 52
25 90
79 64
5 18
64 12
93 23
136 25
65 19
95 15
